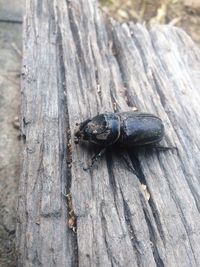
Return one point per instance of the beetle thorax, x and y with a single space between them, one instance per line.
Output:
103 129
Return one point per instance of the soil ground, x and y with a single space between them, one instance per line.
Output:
181 13
10 65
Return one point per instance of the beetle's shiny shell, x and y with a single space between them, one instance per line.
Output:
125 128
138 129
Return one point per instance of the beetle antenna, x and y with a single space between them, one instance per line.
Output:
95 158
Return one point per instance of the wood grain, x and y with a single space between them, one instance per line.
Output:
77 63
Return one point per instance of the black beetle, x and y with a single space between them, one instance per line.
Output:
125 128
128 129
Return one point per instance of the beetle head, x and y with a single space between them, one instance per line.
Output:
103 129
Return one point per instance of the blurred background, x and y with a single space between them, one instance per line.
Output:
180 13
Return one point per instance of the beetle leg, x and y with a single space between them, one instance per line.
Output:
163 148
95 158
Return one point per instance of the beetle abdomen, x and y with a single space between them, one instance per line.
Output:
140 129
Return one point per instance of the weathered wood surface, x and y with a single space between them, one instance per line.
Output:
77 63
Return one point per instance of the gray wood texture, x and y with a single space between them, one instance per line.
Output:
76 63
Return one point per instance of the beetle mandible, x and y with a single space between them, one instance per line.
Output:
128 129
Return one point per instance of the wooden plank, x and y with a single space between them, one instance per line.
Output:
76 64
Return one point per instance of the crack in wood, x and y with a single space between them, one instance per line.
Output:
113 261
117 53
157 220
133 237
98 85
67 155
158 259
